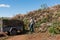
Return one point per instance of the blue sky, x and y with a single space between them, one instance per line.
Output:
10 8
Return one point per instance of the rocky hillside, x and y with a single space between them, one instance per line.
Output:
39 14
49 15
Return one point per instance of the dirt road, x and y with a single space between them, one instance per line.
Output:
19 37
36 36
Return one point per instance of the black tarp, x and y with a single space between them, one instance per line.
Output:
12 23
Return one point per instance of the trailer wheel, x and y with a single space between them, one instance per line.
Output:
13 32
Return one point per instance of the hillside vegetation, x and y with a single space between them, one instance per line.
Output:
50 17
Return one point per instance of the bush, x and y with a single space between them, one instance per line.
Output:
51 30
38 24
26 22
55 27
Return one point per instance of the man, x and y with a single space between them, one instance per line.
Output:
31 25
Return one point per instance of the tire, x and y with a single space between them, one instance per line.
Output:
13 32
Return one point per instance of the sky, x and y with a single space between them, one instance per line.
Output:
9 8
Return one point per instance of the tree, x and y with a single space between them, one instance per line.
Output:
44 6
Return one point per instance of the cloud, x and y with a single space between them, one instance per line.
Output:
4 5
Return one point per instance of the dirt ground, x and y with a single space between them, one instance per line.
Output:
35 36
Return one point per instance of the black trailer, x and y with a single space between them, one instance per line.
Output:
11 26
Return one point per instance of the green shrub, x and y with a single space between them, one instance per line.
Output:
44 20
26 22
57 31
51 30
58 14
38 24
55 27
